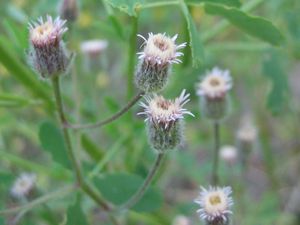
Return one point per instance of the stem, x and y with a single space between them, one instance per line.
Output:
131 57
84 186
141 191
110 119
214 175
158 4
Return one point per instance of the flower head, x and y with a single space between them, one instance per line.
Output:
229 154
163 118
215 84
247 131
93 48
160 51
48 55
69 10
23 185
215 204
181 220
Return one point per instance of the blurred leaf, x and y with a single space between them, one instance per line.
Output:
53 142
16 13
127 6
91 148
9 100
273 69
111 104
17 35
75 215
252 25
235 3
11 63
195 42
119 187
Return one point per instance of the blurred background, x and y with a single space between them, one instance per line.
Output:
260 155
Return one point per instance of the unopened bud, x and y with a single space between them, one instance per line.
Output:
48 55
164 121
214 101
68 10
159 53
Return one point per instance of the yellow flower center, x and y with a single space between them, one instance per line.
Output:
215 200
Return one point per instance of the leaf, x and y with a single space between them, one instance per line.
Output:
273 69
9 100
11 63
53 142
75 215
195 42
252 25
235 3
127 6
91 148
119 187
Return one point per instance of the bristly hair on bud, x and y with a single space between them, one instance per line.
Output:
213 90
48 55
160 51
163 118
215 204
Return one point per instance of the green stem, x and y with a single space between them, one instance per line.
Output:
214 175
158 4
131 57
141 191
111 118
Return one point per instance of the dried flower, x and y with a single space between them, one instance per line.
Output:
215 204
48 55
229 154
164 120
213 93
159 53
23 185
68 10
181 220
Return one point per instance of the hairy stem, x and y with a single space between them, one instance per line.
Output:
110 119
214 174
141 191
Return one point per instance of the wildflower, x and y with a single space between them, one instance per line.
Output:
181 220
213 93
68 10
48 55
215 204
23 185
93 48
229 154
159 53
164 120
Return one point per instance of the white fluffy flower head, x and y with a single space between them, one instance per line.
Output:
229 153
247 131
215 84
163 111
23 185
215 204
48 31
161 49
93 47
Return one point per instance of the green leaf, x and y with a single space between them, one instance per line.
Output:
91 148
11 63
195 42
273 69
235 3
119 187
53 142
9 100
252 25
128 6
75 215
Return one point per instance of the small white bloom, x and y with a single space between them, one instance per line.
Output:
164 112
247 131
181 220
161 49
215 204
23 185
229 154
215 84
93 47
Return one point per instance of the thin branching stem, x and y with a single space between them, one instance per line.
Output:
214 174
110 119
141 191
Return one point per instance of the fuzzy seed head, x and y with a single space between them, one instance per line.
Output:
23 185
47 54
215 84
215 204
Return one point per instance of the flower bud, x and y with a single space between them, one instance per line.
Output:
229 154
23 185
68 10
159 53
48 55
215 204
213 90
164 121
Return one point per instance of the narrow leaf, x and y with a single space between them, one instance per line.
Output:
252 25
75 215
91 148
235 3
